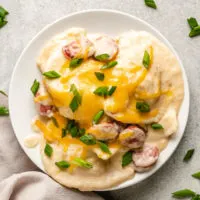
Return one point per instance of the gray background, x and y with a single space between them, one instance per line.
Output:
27 17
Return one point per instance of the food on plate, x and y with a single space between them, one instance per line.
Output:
107 106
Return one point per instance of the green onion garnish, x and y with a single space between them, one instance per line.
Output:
75 62
183 193
146 59
35 87
74 131
64 132
194 32
2 92
3 13
105 91
51 74
100 76
48 150
88 139
76 101
109 65
62 164
192 22
98 116
82 163
101 91
4 111
102 57
150 3
55 122
112 90
142 107
196 175
188 155
127 158
104 147
157 126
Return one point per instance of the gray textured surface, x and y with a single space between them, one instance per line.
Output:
27 17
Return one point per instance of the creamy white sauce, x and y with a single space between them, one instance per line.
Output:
132 46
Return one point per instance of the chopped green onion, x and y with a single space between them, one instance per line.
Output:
73 128
74 131
194 32
35 87
112 90
188 155
104 147
88 139
196 175
64 132
183 193
4 111
105 91
81 131
70 125
48 150
76 93
51 74
2 92
109 65
101 91
3 13
75 62
62 164
98 116
74 104
142 107
55 122
102 57
76 101
192 22
127 158
146 59
150 3
3 22
157 126
196 197
82 163
100 76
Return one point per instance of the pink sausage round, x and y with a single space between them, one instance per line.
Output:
105 45
144 159
71 50
135 137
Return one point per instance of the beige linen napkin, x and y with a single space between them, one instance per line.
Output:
18 184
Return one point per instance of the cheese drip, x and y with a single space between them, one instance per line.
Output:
73 147
127 79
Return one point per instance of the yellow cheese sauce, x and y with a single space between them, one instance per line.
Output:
126 80
53 134
122 102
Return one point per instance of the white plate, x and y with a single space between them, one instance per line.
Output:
22 109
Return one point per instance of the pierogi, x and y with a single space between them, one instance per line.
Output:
107 106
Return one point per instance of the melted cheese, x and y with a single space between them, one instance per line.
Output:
86 82
41 98
122 101
72 146
124 136
126 80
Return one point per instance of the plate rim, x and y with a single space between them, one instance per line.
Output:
185 78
